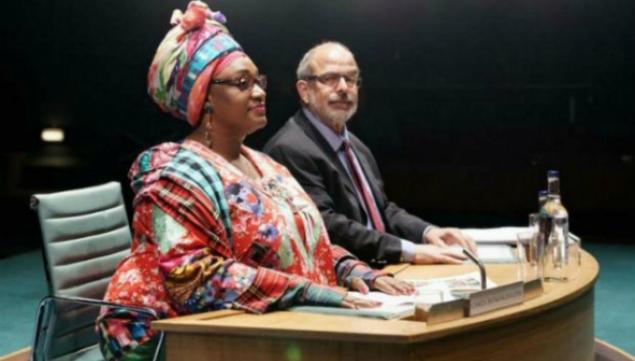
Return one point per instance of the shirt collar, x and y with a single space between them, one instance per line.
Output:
335 140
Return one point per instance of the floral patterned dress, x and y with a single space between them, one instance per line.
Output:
206 237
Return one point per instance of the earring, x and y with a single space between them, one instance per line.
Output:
208 132
207 108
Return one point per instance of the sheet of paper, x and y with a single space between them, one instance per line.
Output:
386 313
493 253
429 291
466 281
422 296
494 235
496 253
501 234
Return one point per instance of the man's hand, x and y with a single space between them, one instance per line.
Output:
428 254
443 237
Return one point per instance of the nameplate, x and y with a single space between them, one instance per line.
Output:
440 312
495 298
532 289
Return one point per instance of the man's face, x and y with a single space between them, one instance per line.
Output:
331 94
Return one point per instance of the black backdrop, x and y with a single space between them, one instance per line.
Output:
466 104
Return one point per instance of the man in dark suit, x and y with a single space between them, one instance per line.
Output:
340 173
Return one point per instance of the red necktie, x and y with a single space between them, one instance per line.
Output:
356 172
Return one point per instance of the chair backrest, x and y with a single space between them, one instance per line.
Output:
86 234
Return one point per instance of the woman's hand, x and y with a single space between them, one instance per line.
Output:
351 301
385 284
393 286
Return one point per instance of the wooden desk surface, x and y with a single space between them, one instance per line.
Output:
284 324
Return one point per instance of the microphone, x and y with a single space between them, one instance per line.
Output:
480 265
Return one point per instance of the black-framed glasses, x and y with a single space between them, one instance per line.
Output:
244 82
333 79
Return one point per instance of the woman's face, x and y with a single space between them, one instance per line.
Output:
237 107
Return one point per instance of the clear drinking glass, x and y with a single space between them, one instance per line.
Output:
574 254
529 254
533 254
526 255
533 221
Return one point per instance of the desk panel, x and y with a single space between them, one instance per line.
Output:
555 326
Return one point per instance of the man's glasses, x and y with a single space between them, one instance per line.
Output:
244 82
333 79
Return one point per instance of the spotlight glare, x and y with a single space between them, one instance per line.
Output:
53 135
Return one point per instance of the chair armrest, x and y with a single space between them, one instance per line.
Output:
94 302
90 302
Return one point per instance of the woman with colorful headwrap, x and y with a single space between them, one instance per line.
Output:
218 225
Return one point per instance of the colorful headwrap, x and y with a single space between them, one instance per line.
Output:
191 54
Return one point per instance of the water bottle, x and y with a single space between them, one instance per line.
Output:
542 198
554 233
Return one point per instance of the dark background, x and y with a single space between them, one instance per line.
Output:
466 104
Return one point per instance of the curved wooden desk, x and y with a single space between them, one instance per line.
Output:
555 326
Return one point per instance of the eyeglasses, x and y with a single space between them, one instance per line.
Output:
243 83
333 79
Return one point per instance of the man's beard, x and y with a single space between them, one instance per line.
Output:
334 117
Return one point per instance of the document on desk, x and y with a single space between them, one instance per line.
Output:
493 253
494 245
498 235
430 291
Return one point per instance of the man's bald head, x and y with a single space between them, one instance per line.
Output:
321 52
328 83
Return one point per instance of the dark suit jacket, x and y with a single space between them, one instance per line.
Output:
303 150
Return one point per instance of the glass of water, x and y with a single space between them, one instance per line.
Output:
527 256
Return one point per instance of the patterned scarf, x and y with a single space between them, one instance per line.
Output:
194 51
